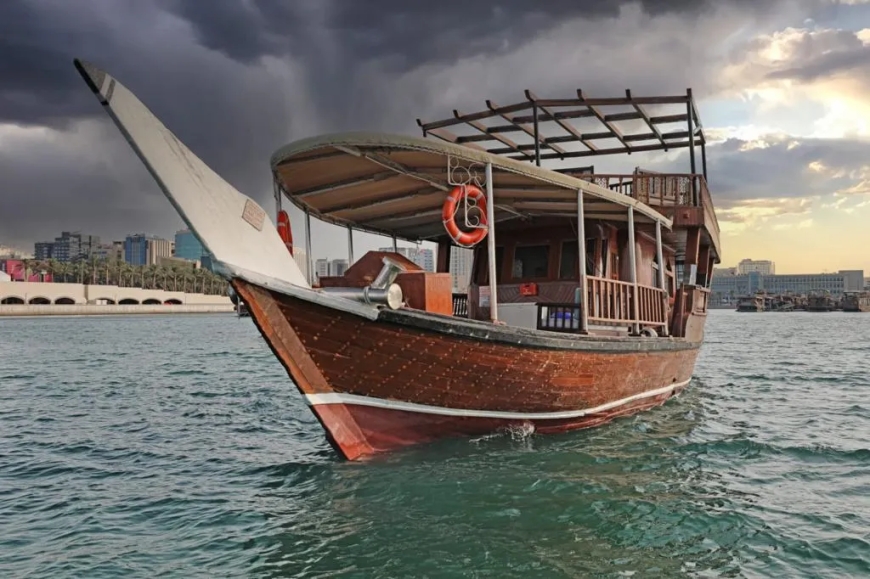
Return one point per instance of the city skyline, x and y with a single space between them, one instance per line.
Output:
780 87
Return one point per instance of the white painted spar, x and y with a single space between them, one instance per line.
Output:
355 399
230 225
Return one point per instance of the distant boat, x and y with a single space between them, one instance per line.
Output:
577 312
856 301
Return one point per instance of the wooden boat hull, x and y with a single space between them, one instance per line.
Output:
408 378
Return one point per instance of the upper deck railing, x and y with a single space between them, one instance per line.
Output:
660 189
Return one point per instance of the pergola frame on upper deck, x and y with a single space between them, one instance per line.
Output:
557 114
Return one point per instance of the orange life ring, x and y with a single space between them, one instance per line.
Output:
448 215
284 230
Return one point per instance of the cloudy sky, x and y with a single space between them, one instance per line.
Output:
781 86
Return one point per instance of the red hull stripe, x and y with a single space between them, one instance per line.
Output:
338 398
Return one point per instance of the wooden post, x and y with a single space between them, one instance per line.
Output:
581 260
632 258
490 220
349 246
661 260
308 248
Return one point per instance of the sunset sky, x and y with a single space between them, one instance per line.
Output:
782 89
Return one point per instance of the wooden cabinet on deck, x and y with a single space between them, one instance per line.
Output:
427 291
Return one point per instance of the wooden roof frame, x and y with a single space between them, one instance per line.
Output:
559 112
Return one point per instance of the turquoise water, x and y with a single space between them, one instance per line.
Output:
175 446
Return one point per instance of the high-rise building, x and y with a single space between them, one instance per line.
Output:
321 268
141 249
337 267
460 268
70 246
43 250
761 266
187 246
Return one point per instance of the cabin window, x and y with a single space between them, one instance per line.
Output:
568 259
531 262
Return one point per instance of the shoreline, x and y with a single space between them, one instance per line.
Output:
33 310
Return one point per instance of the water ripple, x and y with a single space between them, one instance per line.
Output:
175 446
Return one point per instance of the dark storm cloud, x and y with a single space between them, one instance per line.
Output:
235 80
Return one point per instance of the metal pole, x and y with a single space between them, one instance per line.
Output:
395 246
349 246
704 159
632 258
660 258
277 189
581 260
308 248
537 140
490 220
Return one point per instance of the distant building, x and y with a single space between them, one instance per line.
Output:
109 251
321 268
460 268
423 257
9 252
717 271
43 250
762 266
727 289
853 279
141 249
187 246
337 267
70 246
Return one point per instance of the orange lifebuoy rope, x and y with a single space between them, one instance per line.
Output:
284 230
448 215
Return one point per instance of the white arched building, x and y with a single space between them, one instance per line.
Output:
35 293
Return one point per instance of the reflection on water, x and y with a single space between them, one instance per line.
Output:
177 446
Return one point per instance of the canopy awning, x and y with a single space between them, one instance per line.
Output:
396 185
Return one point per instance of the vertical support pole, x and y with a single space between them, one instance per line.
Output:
661 260
349 246
690 112
308 260
395 245
277 190
537 136
704 159
632 258
581 261
490 220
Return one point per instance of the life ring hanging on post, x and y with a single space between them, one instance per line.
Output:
448 215
284 230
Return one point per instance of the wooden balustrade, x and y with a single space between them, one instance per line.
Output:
657 189
610 303
460 305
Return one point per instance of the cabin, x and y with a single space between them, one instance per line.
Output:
558 250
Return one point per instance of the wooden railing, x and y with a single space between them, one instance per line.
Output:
657 189
460 305
610 302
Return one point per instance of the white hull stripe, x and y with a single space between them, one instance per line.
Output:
338 398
